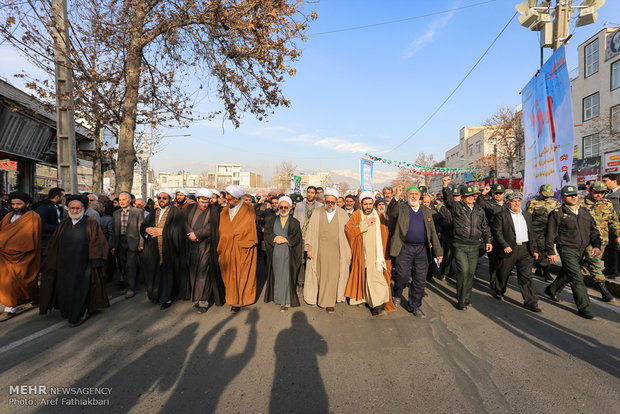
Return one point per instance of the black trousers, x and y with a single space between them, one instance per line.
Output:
494 263
520 257
128 260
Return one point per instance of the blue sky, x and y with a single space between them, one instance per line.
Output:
369 89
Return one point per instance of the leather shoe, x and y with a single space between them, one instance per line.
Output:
586 315
7 315
533 308
235 309
202 309
418 313
461 306
396 302
551 295
165 305
498 296
330 310
130 294
378 312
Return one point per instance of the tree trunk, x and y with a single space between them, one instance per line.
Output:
126 150
97 161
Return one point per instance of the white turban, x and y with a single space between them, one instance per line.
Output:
182 190
235 191
166 190
287 199
367 194
331 192
204 192
217 193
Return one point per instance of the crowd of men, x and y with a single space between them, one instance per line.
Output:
362 250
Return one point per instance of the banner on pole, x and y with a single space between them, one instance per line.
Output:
548 126
366 171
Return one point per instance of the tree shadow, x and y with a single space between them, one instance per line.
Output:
297 383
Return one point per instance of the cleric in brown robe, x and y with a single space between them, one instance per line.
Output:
163 260
201 226
72 272
284 248
237 249
20 255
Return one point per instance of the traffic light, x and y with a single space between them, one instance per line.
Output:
588 14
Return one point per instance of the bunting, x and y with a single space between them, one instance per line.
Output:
423 169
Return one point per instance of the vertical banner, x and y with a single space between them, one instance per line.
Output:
366 167
548 126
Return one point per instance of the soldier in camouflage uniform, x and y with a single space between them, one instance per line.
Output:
539 208
605 217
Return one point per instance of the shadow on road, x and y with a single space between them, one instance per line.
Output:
297 383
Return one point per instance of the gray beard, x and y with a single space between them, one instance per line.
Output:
78 216
330 209
412 204
368 214
285 215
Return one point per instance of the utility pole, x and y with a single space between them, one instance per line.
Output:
563 12
65 121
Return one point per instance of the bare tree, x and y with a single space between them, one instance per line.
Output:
607 127
427 160
507 137
135 60
405 178
344 187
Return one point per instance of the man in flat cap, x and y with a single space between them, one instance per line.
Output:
572 229
72 273
539 208
469 227
492 208
237 249
514 235
413 244
20 255
201 228
329 254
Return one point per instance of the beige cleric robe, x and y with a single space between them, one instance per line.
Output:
323 289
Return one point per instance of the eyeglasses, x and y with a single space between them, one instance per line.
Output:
330 202
284 208
162 198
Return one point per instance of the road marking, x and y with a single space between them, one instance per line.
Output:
45 331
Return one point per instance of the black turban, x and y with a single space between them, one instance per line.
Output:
81 198
20 196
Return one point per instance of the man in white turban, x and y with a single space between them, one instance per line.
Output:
237 249
181 199
329 254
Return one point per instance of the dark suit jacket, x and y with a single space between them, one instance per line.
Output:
505 235
134 239
399 212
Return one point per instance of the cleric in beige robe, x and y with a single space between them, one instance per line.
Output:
329 254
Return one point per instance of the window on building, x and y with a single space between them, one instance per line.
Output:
479 146
235 182
190 183
235 174
590 106
615 118
591 58
615 75
163 179
591 146
470 149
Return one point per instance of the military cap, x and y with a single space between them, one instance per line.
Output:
297 198
498 188
467 190
456 191
423 189
598 186
546 190
568 190
514 195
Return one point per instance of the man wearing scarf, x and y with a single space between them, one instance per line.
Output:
20 255
72 272
369 280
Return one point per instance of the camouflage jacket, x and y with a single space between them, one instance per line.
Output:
540 209
604 216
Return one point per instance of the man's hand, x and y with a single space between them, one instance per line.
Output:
446 181
552 258
140 248
309 254
536 256
280 240
618 240
398 192
370 221
508 250
486 189
154 231
113 250
192 236
596 252
489 247
440 259
359 191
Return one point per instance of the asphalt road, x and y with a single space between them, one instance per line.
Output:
495 357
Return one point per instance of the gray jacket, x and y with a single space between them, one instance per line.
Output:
614 197
399 211
132 232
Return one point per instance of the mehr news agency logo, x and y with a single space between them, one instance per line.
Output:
41 395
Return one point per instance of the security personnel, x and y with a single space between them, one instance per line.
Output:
539 208
492 209
514 236
604 215
447 238
469 226
572 229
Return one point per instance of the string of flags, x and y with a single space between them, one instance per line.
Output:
422 169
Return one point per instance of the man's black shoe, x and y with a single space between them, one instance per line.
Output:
551 295
533 308
235 309
418 313
461 306
498 296
165 306
586 315
202 309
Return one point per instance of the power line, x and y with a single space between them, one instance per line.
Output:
456 88
399 20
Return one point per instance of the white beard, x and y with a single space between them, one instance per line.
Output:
285 215
76 216
330 209
413 204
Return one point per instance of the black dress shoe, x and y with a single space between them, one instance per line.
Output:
498 296
468 303
533 308
461 306
235 309
586 315
202 309
551 295
165 305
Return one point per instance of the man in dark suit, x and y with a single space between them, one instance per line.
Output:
126 240
50 211
516 242
414 238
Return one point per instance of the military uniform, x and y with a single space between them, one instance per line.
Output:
539 208
447 239
571 232
492 209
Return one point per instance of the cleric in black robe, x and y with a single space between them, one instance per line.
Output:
72 273
201 226
163 261
283 256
